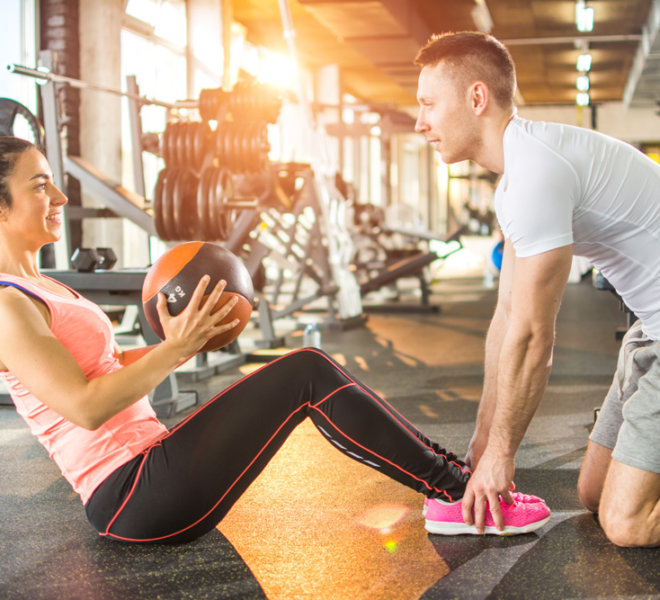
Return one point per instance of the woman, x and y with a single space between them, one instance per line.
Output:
86 400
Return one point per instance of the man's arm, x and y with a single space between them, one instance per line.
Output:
494 339
523 367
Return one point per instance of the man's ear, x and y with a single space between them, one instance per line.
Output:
479 95
4 211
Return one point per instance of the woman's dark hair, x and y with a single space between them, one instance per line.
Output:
11 149
474 56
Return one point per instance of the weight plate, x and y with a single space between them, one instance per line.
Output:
203 217
227 216
17 120
199 144
185 204
229 156
158 204
169 226
214 193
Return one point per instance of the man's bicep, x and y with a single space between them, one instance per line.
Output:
538 284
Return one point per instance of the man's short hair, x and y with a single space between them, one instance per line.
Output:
474 56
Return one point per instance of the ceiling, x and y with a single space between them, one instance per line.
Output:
374 43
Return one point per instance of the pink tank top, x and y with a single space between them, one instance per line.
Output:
85 457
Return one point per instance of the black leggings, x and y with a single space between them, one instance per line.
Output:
182 486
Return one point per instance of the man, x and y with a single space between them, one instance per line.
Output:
563 190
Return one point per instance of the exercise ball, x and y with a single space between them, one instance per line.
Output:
177 273
496 255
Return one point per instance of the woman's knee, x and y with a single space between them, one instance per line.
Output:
306 357
309 365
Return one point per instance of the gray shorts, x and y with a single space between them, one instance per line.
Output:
629 420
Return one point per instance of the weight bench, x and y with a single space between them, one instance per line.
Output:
412 266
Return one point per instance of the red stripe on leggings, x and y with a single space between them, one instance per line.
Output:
372 453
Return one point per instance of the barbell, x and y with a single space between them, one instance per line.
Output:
245 102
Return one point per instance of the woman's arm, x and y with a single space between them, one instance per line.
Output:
128 356
45 367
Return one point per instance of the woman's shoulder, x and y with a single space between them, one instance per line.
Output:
10 294
18 306
14 299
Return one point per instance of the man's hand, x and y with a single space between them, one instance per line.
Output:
476 449
492 478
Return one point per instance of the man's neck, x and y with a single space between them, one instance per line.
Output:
491 154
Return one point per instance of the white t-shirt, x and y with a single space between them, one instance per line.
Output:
568 185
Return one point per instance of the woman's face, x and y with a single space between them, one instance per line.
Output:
36 214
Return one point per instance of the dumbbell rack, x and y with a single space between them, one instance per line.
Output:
197 200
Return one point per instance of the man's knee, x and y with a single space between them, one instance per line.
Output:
592 476
629 510
588 496
628 532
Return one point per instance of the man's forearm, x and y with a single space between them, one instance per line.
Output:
522 376
493 349
488 399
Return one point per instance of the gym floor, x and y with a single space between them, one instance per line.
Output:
316 525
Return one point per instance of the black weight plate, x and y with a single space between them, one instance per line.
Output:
159 209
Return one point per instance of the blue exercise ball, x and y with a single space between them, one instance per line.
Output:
496 255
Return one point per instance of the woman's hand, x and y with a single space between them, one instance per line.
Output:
197 323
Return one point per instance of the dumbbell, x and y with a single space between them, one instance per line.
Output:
86 260
108 258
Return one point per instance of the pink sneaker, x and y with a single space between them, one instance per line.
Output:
445 518
526 498
517 497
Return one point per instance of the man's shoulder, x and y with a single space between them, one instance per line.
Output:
542 130
538 148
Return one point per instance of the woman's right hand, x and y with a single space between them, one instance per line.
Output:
197 323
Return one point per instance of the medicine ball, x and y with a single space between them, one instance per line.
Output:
178 272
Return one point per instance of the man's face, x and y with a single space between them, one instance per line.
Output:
445 117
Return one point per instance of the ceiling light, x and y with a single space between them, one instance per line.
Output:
582 99
584 16
584 62
481 16
582 83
